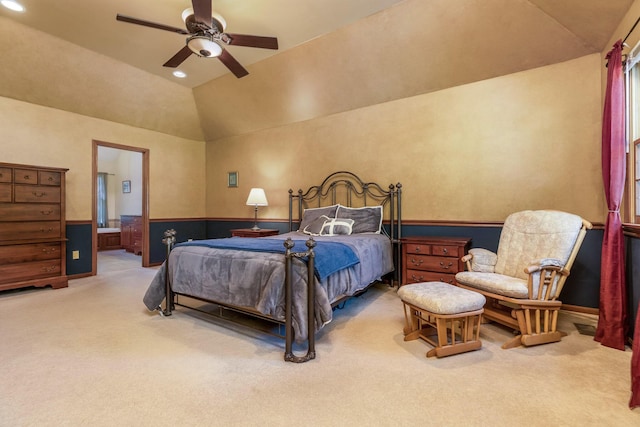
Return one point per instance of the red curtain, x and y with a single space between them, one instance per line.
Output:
612 320
635 365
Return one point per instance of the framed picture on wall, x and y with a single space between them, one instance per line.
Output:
232 179
126 186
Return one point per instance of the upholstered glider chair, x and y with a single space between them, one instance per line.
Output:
522 282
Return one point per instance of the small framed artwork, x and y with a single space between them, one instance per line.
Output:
126 186
232 179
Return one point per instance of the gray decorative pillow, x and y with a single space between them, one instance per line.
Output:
315 228
335 227
310 215
366 220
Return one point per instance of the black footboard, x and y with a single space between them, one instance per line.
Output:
289 356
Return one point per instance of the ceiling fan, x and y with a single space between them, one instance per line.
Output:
206 37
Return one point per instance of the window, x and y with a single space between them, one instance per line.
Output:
632 193
102 219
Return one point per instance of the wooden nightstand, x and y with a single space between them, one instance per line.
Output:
248 232
432 259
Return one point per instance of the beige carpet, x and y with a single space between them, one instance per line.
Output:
91 355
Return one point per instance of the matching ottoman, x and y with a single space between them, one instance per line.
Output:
444 315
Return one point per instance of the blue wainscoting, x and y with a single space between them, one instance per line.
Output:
185 230
79 239
582 287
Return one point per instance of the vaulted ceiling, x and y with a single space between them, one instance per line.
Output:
334 55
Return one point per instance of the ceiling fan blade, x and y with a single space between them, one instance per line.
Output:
202 11
131 20
178 58
232 64
253 41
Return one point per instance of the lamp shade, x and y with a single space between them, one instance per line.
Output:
257 197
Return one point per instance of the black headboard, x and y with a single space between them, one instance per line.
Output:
349 190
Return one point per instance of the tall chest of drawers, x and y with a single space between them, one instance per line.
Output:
32 226
131 233
432 259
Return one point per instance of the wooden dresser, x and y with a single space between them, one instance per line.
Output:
131 233
32 226
432 259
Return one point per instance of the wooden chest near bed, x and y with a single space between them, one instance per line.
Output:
32 226
109 239
131 233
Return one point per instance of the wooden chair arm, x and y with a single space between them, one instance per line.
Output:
533 268
466 258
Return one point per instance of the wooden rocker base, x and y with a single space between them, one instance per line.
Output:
449 333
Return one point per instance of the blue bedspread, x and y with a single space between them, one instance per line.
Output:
330 257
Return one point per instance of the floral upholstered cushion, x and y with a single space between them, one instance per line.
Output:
495 283
530 235
483 260
441 298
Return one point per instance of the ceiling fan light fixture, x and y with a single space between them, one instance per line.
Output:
187 13
204 46
217 19
179 74
13 5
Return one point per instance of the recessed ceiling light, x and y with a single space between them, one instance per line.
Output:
180 74
13 5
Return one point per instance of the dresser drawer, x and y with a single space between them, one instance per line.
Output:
432 263
36 194
49 178
445 250
29 212
417 276
5 175
14 254
25 176
417 248
30 230
5 193
29 270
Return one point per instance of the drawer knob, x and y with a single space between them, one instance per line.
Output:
445 251
46 212
446 266
27 177
39 193
49 268
417 262
46 230
417 278
48 250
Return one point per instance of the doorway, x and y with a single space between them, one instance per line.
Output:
128 181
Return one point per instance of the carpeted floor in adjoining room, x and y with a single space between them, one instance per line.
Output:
91 354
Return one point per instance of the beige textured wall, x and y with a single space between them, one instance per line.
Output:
45 70
44 136
476 152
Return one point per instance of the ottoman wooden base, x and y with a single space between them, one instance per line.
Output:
449 331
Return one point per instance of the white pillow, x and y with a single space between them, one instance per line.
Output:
336 226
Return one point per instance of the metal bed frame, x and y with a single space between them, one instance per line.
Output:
339 187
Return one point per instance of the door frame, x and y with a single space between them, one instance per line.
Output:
94 197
